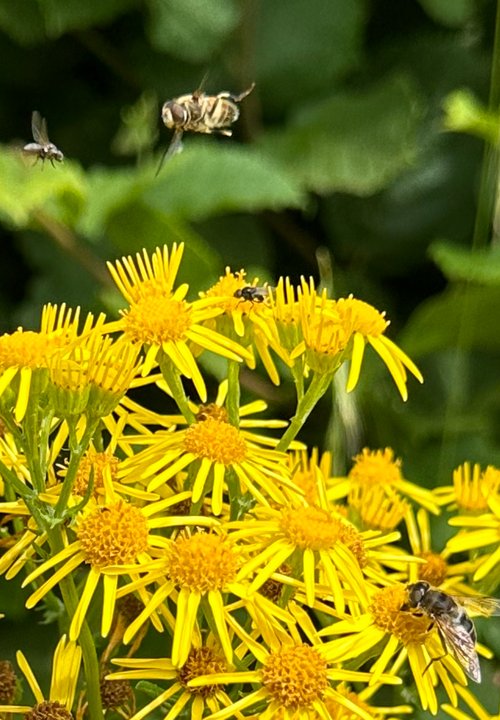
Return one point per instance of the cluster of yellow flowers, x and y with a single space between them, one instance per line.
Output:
271 588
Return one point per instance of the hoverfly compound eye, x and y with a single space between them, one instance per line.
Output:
173 114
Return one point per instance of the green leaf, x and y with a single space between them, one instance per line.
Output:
352 142
464 113
26 187
302 49
212 178
462 264
22 21
61 17
460 317
452 13
110 190
191 29
137 226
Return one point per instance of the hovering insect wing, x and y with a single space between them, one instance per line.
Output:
461 645
172 149
479 605
39 128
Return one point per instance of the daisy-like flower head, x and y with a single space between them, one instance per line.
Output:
161 319
197 570
252 319
209 450
202 660
372 509
406 634
25 354
437 569
380 468
92 376
115 534
336 330
65 672
293 680
316 542
472 489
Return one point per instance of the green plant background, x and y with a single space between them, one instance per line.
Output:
359 158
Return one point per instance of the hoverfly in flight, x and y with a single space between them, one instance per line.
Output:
197 112
449 613
42 148
250 293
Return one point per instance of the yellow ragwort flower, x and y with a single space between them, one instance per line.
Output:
25 354
202 660
161 319
381 468
251 320
473 489
65 672
405 633
294 680
115 534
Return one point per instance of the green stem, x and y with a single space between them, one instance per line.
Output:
86 640
233 394
489 173
78 448
317 388
172 378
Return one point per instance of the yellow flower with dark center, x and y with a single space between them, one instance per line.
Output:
404 633
380 468
65 673
113 540
191 701
160 317
294 680
320 545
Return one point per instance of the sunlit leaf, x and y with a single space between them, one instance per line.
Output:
213 178
352 142
191 29
462 264
453 13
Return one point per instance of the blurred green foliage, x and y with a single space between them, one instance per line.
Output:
363 138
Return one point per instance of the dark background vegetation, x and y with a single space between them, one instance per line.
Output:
342 150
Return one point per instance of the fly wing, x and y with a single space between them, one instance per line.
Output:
39 128
461 645
171 150
481 604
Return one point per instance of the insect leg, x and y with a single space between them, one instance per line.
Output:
241 96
